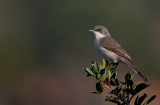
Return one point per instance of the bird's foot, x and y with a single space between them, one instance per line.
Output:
115 63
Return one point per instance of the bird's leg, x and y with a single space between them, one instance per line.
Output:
114 63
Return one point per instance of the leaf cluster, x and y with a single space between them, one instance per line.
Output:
119 92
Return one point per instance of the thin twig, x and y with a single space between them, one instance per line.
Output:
106 86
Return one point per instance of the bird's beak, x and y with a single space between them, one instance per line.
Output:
91 30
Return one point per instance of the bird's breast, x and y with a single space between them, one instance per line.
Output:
111 56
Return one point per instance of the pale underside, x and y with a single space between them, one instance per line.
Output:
109 55
109 48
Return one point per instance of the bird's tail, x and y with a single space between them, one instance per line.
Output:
133 67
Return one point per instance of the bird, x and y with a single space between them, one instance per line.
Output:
112 50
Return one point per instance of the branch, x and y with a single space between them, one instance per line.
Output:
106 75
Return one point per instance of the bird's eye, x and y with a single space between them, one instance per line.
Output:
98 29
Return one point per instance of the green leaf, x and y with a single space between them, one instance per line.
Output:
136 101
96 67
108 98
127 77
114 100
92 64
102 64
117 82
140 87
99 87
112 87
103 71
89 71
130 91
151 99
144 101
141 99
123 83
114 68
133 74
118 91
104 76
110 67
114 75
112 83
98 76
129 84
109 74
107 62
96 92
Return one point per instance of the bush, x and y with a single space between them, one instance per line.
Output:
119 92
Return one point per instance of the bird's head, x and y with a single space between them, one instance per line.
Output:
100 31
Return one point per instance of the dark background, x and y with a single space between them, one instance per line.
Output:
45 44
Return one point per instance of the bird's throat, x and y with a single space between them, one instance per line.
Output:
98 35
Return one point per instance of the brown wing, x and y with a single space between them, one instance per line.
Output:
111 45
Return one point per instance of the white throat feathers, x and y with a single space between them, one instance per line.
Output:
98 35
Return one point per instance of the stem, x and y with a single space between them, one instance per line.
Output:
106 86
127 97
131 98
123 98
133 74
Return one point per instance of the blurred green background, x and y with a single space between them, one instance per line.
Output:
46 43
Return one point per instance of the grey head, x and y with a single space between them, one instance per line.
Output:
100 29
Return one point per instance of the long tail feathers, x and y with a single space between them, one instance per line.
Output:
131 65
139 73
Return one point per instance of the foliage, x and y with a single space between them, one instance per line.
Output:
119 92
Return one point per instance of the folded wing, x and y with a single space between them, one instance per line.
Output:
111 45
